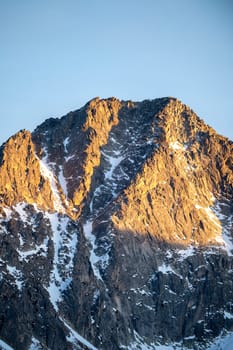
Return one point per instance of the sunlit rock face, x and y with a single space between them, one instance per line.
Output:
116 230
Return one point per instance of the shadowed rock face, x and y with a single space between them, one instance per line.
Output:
116 230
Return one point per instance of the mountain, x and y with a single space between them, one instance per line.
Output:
116 231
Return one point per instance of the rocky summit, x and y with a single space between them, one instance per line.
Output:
117 231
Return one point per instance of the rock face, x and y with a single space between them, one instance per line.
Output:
116 230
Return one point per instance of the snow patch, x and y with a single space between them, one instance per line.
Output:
20 209
139 344
185 253
227 221
39 250
35 344
165 269
191 337
48 174
221 221
17 274
96 296
64 250
5 346
96 192
176 146
69 157
8 213
210 214
65 143
140 291
114 162
76 337
228 315
62 180
222 342
95 260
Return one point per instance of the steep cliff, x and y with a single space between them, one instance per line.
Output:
116 230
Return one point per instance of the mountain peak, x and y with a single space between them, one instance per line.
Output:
116 228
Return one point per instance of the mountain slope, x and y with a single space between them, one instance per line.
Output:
116 230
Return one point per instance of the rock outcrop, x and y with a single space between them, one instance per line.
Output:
116 230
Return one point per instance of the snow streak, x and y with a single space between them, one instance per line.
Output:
64 250
76 337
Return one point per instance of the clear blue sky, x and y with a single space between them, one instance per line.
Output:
55 55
